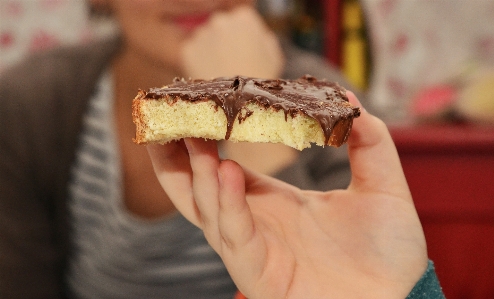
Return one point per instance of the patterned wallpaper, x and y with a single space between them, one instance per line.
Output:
419 43
32 25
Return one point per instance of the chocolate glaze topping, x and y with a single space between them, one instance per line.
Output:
321 100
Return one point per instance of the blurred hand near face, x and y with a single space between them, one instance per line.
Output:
233 42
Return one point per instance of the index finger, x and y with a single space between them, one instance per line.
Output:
374 160
172 168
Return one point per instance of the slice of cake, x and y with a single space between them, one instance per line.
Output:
294 112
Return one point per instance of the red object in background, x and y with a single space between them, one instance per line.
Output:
434 101
6 39
43 40
332 31
450 171
239 296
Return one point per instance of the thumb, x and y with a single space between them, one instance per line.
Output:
374 161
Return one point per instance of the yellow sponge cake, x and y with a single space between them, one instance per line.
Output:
294 112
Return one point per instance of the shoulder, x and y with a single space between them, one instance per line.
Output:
51 87
61 70
42 100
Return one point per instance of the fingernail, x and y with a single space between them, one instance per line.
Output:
189 143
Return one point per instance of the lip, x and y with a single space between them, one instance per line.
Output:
191 22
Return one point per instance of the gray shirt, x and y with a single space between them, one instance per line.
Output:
116 254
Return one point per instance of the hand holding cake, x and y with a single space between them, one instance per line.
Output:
278 241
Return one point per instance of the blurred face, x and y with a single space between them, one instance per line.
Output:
155 29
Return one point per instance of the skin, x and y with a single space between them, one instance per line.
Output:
278 241
187 38
255 52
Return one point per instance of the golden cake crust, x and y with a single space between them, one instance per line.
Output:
294 112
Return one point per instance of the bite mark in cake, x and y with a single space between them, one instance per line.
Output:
294 112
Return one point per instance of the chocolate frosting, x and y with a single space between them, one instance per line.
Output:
321 100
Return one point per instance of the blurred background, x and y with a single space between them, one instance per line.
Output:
428 70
